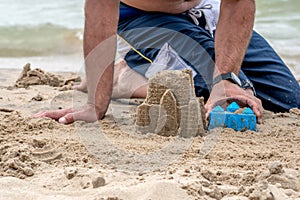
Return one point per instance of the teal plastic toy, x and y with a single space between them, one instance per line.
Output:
237 121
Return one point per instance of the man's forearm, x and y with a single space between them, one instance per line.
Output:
233 34
101 18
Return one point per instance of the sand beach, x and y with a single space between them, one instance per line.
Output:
42 159
109 160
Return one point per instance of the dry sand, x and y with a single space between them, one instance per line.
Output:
42 159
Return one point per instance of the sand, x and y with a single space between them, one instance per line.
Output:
42 159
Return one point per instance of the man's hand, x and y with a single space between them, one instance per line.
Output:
226 92
87 113
232 38
99 46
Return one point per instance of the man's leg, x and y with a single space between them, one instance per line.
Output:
127 83
274 83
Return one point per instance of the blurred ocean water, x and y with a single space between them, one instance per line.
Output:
279 22
40 28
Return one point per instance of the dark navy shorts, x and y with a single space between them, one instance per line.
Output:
147 32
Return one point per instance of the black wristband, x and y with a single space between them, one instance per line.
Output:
230 76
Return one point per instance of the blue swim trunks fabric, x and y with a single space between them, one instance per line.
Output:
128 11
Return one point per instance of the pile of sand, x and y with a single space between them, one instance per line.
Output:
39 77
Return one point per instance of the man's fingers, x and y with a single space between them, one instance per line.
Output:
208 108
67 119
257 108
253 103
71 117
56 114
39 114
83 115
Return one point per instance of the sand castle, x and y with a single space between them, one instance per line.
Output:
171 107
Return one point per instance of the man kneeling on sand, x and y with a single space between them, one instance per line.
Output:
230 61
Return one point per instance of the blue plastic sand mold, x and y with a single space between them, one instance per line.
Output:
239 122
